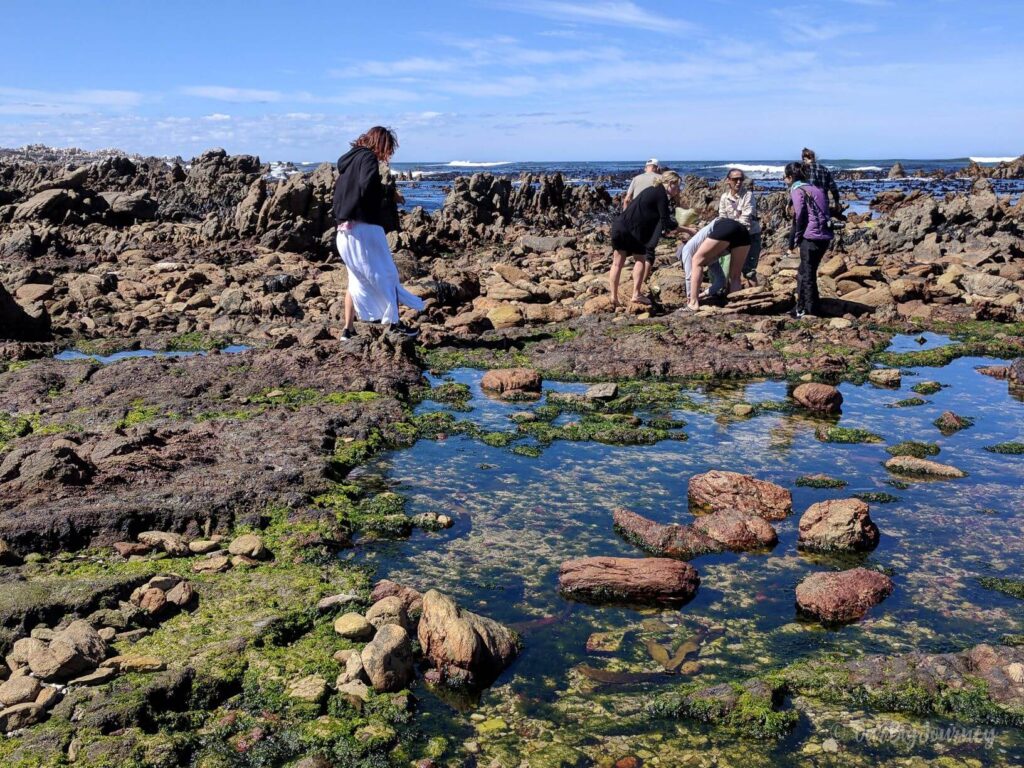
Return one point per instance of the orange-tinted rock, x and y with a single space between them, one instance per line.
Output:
823 398
722 490
643 580
842 596
507 379
843 525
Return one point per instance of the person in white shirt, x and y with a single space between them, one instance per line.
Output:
741 206
652 170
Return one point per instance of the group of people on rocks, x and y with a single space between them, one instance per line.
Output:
365 209
649 212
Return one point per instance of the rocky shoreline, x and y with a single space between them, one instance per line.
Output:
170 527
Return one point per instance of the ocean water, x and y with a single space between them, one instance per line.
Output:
428 183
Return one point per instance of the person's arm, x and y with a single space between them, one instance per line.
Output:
799 217
665 213
833 189
746 209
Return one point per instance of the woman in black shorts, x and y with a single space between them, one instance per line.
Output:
725 235
637 230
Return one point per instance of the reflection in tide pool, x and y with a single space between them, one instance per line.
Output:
74 354
518 518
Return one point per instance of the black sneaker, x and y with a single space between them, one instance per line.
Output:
348 334
404 330
797 314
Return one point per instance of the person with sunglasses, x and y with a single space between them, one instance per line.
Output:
741 205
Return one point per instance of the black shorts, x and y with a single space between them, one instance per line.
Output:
624 242
731 231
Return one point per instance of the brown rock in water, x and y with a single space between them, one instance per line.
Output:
737 531
722 490
949 423
843 596
503 380
682 541
885 377
390 610
461 645
911 465
842 525
995 371
645 580
411 598
387 659
823 398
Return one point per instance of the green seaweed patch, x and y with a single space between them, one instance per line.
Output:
1011 448
530 451
909 402
876 497
17 365
748 710
381 514
1014 641
664 423
900 485
13 427
139 413
195 341
927 387
1011 587
835 434
820 481
952 423
498 439
913 448
451 393
936 358
612 429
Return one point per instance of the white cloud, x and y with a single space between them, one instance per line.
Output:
227 93
217 117
25 101
619 14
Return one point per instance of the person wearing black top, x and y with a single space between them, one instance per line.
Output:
637 230
363 210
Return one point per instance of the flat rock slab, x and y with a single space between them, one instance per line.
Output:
722 490
674 540
511 379
911 465
835 598
645 580
605 391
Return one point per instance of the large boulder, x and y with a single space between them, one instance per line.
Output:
682 541
840 525
823 398
843 596
737 531
20 324
73 651
721 490
463 647
645 580
504 380
387 659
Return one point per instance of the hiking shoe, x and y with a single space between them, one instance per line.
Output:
348 334
401 329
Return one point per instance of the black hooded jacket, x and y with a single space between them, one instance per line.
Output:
358 193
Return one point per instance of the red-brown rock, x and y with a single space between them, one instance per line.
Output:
823 398
128 548
411 598
644 580
682 541
843 596
508 379
737 531
722 490
842 525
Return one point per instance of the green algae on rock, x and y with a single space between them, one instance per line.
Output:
834 434
876 497
751 708
1010 448
927 387
820 481
913 448
1008 586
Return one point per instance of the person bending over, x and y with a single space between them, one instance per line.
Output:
811 231
361 208
688 250
741 206
716 238
637 230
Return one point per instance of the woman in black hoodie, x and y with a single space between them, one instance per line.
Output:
361 211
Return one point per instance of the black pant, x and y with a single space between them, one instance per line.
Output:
811 253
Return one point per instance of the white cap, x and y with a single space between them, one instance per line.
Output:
652 161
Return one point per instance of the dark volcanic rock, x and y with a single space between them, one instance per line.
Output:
651 580
842 596
722 490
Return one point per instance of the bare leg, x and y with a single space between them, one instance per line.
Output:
739 257
639 272
618 259
709 251
350 312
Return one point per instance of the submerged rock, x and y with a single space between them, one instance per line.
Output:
649 580
465 648
843 596
842 525
751 708
721 490
737 531
823 398
674 540
911 465
950 423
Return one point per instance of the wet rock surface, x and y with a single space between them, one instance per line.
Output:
843 596
837 525
720 490
652 580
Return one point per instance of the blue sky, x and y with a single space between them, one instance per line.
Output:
490 80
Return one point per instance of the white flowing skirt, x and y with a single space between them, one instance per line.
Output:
373 280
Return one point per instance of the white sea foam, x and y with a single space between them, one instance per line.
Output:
754 168
471 164
868 168
991 159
